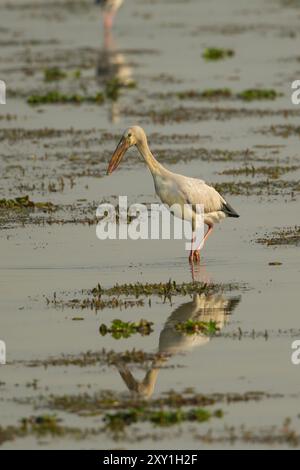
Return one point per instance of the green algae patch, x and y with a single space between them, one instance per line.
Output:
56 97
192 327
24 202
255 94
120 329
216 53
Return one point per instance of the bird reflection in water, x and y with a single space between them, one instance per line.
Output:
113 72
172 342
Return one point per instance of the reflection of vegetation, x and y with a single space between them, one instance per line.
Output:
52 74
24 202
56 97
120 329
258 94
193 326
41 426
113 88
215 53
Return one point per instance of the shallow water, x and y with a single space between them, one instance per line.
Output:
161 44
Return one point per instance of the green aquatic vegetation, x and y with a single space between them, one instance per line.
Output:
45 424
284 236
86 404
41 426
117 422
52 74
95 303
273 172
193 327
120 329
209 93
56 97
282 130
195 114
162 289
269 187
92 358
216 53
253 94
24 202
114 86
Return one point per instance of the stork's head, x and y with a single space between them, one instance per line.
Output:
132 136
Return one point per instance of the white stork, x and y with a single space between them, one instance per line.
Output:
173 188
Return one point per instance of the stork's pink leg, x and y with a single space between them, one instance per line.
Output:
108 19
191 257
196 253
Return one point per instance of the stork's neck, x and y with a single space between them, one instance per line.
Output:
154 166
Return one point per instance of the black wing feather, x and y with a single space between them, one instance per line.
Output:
228 210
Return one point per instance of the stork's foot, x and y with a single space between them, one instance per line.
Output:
194 257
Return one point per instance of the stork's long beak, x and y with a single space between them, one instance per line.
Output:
118 154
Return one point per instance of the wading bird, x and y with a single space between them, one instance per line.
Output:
203 308
110 8
174 189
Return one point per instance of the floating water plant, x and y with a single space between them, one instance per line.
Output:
120 329
24 202
193 326
56 97
215 53
52 74
253 94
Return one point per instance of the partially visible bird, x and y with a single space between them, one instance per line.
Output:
172 341
110 8
174 189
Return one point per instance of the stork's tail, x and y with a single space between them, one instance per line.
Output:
228 210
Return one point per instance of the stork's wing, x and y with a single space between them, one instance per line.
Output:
198 192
